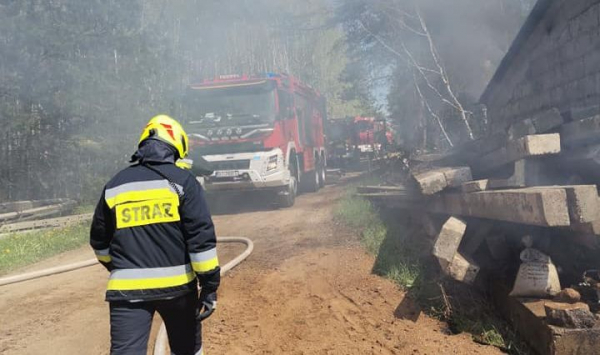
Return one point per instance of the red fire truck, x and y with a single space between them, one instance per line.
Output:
372 133
260 133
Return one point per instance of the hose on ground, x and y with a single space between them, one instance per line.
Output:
47 272
160 345
162 340
91 262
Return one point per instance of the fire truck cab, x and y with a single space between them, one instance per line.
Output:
260 133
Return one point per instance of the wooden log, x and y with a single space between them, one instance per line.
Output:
38 213
45 223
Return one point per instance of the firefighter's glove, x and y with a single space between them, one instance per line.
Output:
207 304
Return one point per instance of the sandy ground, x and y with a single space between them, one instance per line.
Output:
307 289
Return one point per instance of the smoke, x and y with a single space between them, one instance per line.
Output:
79 78
473 36
435 58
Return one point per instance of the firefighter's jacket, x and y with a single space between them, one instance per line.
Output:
154 234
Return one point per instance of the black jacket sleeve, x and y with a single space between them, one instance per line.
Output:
102 232
199 232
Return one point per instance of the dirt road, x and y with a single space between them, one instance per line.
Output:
307 289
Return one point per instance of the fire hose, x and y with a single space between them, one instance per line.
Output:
160 345
91 262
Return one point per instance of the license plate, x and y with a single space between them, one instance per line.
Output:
226 173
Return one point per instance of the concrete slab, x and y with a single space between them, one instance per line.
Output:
547 121
581 132
584 206
528 146
434 181
527 318
525 174
475 186
462 269
541 123
569 315
448 240
431 182
592 228
455 177
542 207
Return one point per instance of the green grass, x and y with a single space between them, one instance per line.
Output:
393 259
402 255
18 250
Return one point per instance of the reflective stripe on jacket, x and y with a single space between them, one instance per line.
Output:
155 235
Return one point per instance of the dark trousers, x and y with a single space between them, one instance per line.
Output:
130 324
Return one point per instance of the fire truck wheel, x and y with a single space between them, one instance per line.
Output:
311 181
288 198
322 176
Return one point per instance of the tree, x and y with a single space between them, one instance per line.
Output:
434 57
78 78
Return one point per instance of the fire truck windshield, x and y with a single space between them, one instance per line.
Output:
220 107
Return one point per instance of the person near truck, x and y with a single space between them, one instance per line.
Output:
153 231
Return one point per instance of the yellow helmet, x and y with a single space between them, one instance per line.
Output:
168 130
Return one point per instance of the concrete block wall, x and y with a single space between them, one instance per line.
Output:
556 66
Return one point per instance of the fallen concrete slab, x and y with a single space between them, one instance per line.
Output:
528 146
542 207
455 177
431 182
434 181
448 240
462 269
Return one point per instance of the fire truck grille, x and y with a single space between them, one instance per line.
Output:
231 165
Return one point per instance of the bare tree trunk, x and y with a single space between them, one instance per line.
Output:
431 112
443 74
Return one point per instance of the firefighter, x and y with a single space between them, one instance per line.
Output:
152 230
